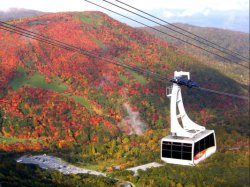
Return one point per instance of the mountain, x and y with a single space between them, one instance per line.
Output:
98 115
16 13
236 20
231 40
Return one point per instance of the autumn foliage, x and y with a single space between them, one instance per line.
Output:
54 98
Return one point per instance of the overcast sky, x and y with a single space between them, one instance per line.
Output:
174 10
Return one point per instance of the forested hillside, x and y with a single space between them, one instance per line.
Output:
96 114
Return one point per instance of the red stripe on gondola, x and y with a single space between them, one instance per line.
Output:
199 155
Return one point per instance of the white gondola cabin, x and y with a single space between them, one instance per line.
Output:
188 143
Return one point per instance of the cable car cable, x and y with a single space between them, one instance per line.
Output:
197 36
177 32
85 52
32 37
227 59
76 48
222 93
174 30
80 51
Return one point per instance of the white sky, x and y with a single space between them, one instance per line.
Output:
190 6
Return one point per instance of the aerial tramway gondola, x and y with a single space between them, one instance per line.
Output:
188 143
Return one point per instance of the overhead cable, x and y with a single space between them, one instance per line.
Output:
205 41
153 28
225 58
222 93
57 43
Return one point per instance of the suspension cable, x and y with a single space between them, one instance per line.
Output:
65 46
225 58
186 31
41 38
